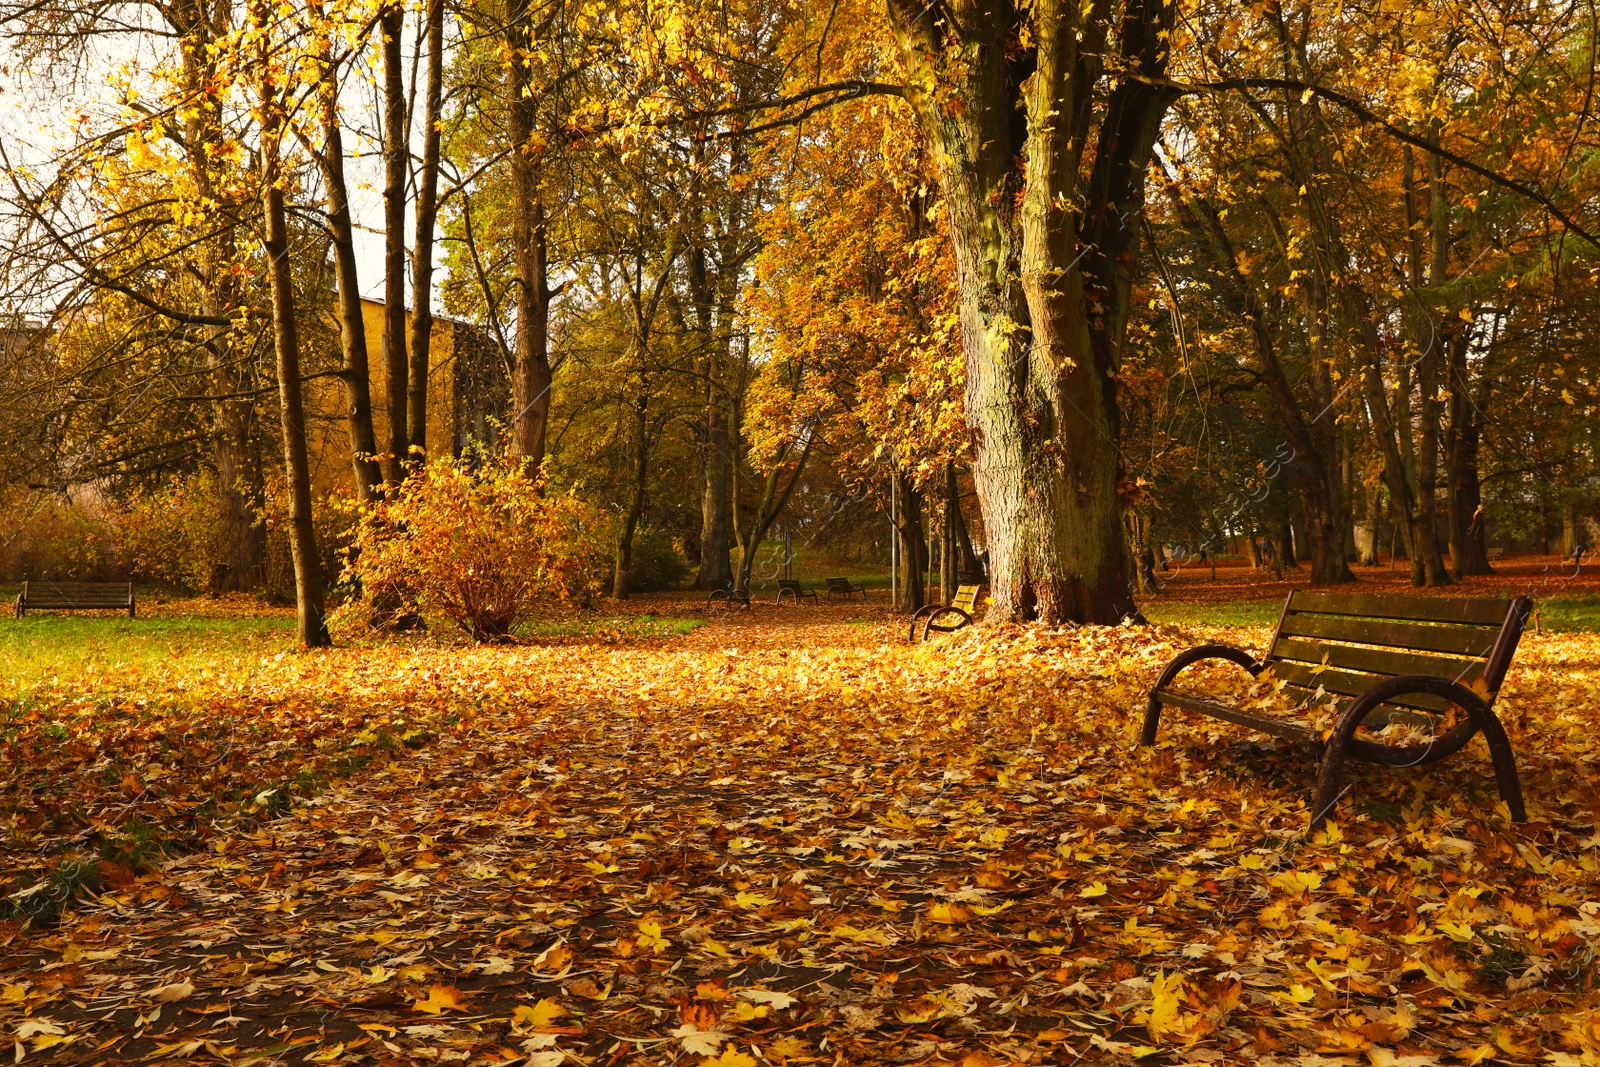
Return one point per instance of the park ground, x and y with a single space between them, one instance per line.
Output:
782 836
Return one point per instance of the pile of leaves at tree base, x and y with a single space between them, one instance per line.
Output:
785 845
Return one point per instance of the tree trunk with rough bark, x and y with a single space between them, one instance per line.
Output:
1045 257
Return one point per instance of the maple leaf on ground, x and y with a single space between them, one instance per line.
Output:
729 1058
698 1042
525 1017
441 998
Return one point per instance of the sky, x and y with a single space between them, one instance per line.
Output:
37 113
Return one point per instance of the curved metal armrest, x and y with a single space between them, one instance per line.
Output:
1204 652
933 624
1341 743
918 615
1152 710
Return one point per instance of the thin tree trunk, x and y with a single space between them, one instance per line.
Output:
531 372
767 511
391 24
1285 545
913 545
356 372
311 624
621 576
947 536
1312 461
1144 557
235 436
971 565
1464 498
422 252
716 568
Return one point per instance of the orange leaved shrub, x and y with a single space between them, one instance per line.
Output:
484 548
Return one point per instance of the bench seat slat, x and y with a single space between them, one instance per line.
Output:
1482 611
1347 683
966 598
1285 728
1457 639
1384 661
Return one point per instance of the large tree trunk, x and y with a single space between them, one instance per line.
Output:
1045 260
530 378
356 372
395 154
312 626
422 251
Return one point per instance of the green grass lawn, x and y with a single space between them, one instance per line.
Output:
1565 614
1224 613
43 647
1558 614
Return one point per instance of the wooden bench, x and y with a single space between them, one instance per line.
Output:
844 587
790 587
75 596
946 618
1403 660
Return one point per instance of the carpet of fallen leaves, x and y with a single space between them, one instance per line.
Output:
787 837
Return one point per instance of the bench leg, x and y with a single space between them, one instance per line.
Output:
1152 719
1505 762
1482 716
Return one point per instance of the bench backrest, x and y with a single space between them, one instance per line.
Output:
788 583
838 585
77 594
966 598
1344 642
